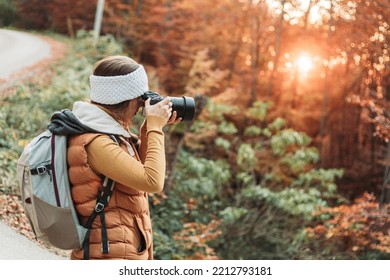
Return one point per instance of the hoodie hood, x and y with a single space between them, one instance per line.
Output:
85 117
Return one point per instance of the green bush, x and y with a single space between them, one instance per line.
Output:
197 196
276 187
8 12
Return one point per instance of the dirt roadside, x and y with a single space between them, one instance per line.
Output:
38 72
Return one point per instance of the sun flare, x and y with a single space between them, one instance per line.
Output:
304 64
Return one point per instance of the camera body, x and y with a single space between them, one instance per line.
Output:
184 106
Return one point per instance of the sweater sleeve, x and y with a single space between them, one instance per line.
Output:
107 158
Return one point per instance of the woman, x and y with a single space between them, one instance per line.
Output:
117 84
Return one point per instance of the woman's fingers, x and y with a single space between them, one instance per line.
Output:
174 119
163 109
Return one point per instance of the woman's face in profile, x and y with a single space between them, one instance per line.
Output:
135 105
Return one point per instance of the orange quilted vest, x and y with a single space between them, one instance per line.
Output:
127 215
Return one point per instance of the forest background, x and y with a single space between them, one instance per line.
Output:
289 154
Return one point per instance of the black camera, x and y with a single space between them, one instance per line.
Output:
184 106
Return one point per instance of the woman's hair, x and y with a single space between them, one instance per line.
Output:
115 66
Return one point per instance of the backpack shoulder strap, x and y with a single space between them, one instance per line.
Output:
101 202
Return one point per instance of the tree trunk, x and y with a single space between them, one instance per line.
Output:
236 49
164 31
385 196
255 49
278 43
139 8
325 95
342 131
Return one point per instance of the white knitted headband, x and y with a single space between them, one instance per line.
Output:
116 89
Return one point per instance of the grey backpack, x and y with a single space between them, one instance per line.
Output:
42 173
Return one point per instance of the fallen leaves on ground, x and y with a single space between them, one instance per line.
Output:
12 214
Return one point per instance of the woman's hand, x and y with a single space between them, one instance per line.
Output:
162 109
173 119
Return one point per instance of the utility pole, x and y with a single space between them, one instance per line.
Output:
98 21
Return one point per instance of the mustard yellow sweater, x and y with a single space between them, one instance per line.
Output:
144 171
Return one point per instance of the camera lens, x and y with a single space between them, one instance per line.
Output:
184 106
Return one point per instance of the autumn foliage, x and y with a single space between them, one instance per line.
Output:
290 150
355 229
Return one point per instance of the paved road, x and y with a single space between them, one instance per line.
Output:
19 50
15 246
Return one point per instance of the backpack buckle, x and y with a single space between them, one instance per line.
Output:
41 170
99 207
